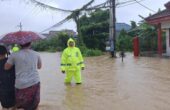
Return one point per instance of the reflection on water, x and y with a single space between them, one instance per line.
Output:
74 98
109 84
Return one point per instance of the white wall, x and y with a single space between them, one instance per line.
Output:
165 25
167 42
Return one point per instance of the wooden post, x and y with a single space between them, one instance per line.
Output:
159 39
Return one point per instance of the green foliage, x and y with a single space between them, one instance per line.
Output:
55 43
93 52
40 45
133 24
124 41
90 52
95 29
147 37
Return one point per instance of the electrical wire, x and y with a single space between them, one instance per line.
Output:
43 5
144 6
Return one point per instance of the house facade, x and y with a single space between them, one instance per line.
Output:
54 33
162 21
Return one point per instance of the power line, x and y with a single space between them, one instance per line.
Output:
97 6
118 5
102 5
75 12
33 11
48 6
56 25
144 6
127 3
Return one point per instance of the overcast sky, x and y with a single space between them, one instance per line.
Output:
12 12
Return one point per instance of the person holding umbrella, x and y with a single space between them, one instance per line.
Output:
26 61
27 81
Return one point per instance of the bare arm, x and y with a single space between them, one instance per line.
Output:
10 62
39 64
8 66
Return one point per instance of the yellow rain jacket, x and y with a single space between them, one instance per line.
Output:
72 62
15 48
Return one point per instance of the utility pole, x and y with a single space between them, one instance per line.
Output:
113 28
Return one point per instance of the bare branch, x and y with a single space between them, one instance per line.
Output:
86 5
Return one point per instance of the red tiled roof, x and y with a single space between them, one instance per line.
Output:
160 16
163 13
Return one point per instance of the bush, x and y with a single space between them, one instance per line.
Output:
83 50
53 44
40 45
59 43
91 52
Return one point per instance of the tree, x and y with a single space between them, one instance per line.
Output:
133 30
124 41
95 29
56 43
133 24
147 35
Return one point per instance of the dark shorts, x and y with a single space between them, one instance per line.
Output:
28 98
7 99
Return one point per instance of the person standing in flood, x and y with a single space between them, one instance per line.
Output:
72 63
27 83
7 81
15 48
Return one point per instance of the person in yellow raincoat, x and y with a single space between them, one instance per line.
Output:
72 63
15 48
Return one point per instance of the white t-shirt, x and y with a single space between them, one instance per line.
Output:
25 62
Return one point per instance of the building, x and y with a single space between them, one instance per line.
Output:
54 33
162 21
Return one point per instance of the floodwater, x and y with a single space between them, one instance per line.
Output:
109 84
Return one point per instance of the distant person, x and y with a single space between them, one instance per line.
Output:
27 83
15 48
7 81
122 48
122 54
72 63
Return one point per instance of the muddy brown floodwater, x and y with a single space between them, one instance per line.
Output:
109 84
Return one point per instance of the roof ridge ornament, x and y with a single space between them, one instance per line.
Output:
167 5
